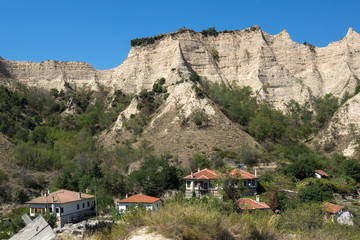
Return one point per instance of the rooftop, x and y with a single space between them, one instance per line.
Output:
241 173
61 196
203 174
332 208
249 204
322 173
139 198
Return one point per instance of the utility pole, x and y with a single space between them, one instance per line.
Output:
96 208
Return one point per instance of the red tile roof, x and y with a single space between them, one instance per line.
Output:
203 174
139 198
332 208
60 196
247 203
244 175
322 173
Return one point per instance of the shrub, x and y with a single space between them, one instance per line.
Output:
199 160
214 53
306 217
186 221
318 192
200 118
145 41
194 77
300 169
211 31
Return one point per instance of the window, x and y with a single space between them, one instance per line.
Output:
77 206
252 182
188 184
62 210
50 209
88 204
83 205
205 185
245 183
57 210
32 210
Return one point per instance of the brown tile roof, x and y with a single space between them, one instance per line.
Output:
60 196
332 208
322 173
247 203
139 198
244 175
203 174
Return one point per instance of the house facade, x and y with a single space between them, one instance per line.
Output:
249 180
199 183
69 206
151 203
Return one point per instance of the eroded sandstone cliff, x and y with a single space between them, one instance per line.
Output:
277 69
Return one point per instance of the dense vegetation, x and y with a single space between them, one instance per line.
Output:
57 131
145 41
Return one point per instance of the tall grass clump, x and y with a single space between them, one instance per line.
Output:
188 221
252 225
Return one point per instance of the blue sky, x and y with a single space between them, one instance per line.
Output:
99 32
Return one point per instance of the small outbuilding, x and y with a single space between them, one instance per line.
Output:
336 213
250 204
321 174
151 203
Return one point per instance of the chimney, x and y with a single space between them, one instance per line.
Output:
52 199
255 173
126 196
257 198
42 193
48 191
198 169
79 194
192 175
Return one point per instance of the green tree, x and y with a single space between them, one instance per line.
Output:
199 160
300 169
268 124
352 169
318 192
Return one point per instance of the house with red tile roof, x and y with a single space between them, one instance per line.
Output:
250 204
249 180
336 213
151 203
320 174
199 183
69 206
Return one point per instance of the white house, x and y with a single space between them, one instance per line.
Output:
151 203
69 206
199 183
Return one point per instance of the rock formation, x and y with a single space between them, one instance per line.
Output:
277 69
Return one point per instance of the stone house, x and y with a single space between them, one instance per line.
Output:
69 206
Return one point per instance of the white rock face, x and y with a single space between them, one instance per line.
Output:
274 66
277 69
